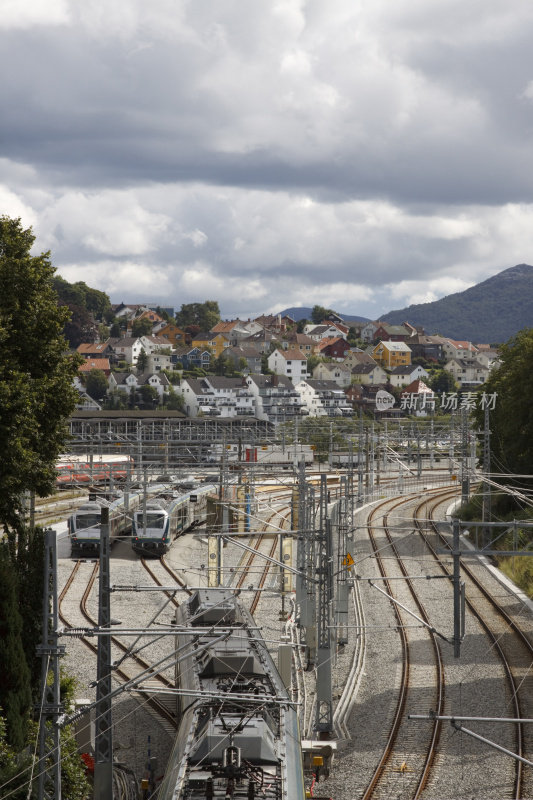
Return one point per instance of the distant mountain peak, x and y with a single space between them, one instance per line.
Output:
491 311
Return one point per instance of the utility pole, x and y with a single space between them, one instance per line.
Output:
487 504
465 480
103 742
49 764
342 573
324 699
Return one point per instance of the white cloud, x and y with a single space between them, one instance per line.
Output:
16 14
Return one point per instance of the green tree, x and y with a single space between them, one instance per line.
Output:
511 421
222 365
79 294
149 395
15 688
36 373
29 568
96 384
80 327
442 381
142 327
205 315
174 401
319 313
142 361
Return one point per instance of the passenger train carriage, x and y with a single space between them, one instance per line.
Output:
155 527
238 736
84 524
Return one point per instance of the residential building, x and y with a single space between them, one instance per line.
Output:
275 398
332 371
403 376
369 374
129 382
290 363
354 357
332 347
418 399
95 363
428 347
94 349
216 396
391 354
323 398
467 371
392 333
157 361
324 331
127 348
238 355
368 331
216 342
464 351
172 333
299 341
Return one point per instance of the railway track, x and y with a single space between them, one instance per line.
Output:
403 747
137 664
423 758
508 640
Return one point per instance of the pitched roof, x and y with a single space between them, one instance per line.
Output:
365 369
225 326
292 354
323 386
271 381
417 387
92 347
395 346
94 363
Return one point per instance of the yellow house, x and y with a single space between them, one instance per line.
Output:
392 354
175 335
216 342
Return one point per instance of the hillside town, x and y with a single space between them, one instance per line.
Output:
275 368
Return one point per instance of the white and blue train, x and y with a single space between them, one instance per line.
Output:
157 524
84 524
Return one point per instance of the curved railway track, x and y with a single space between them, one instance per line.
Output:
515 653
400 771
400 739
166 716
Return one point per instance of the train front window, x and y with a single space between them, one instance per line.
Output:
84 521
152 520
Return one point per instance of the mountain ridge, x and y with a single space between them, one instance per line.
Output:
491 311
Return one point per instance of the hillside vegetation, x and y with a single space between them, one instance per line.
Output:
492 311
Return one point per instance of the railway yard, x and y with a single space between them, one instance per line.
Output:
395 672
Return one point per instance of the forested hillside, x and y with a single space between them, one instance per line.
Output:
491 311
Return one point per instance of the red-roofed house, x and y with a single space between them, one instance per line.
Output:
95 363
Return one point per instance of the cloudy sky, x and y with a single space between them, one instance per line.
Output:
358 154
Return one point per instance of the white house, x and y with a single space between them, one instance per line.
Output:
403 376
275 398
128 348
216 396
331 371
129 383
467 371
291 363
323 398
